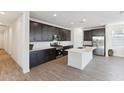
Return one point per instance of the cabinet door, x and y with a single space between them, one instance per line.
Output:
41 57
50 54
98 32
46 55
87 35
68 35
31 32
33 59
55 31
62 34
50 30
37 27
44 32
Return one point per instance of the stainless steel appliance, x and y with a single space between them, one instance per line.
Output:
98 42
59 50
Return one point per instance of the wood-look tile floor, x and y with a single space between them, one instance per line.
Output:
99 69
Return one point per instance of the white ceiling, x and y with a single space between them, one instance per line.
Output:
64 18
7 18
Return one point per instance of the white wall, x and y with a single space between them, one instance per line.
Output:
1 39
110 41
16 41
5 41
77 37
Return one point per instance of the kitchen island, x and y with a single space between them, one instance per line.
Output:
79 58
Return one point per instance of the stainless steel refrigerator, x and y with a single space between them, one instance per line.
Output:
98 42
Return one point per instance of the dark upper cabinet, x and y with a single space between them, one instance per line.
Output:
44 31
50 30
87 35
31 32
65 35
95 32
62 34
68 35
41 32
98 32
55 31
37 32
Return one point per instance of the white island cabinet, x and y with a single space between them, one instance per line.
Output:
79 58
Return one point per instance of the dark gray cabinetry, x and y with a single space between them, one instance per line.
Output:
65 35
41 32
87 35
95 32
98 32
44 31
42 56
33 59
55 31
66 47
50 33
37 32
62 34
68 35
31 32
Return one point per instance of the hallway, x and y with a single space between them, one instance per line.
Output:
9 70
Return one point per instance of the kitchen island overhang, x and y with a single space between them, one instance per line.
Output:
79 58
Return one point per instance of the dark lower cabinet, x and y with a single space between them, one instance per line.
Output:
66 47
42 56
33 59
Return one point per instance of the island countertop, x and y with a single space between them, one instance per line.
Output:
79 58
86 49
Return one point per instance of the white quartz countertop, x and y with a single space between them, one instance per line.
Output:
42 48
86 49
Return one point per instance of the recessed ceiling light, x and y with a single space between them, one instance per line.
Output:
54 15
2 13
72 23
83 20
